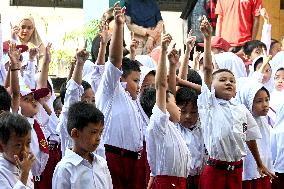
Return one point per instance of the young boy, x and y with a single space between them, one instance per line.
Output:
116 98
190 129
80 167
16 159
167 152
226 127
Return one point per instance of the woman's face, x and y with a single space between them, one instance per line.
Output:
26 30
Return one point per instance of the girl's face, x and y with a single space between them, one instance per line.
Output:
260 105
26 30
279 80
267 72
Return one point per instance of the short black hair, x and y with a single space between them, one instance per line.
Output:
251 45
148 100
280 69
63 89
185 95
194 77
257 62
81 114
5 99
128 66
265 89
13 123
220 71
57 103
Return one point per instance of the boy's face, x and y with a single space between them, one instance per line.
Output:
225 85
16 146
89 138
189 115
148 81
88 96
132 85
255 53
279 80
260 105
173 109
267 72
28 105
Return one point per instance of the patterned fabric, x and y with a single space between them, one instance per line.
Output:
43 146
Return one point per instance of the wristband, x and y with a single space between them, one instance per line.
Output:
15 69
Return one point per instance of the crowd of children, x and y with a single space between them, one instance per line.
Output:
142 122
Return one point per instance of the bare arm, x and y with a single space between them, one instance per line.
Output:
135 28
133 46
105 37
73 62
81 57
173 57
14 55
8 78
219 25
161 75
185 83
261 168
116 45
206 29
255 27
43 76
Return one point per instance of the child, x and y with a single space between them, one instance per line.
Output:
277 136
5 100
167 152
16 160
226 126
278 92
189 126
256 99
57 106
116 98
80 167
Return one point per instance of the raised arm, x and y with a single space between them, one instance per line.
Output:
81 58
43 76
105 37
161 75
255 27
206 29
133 46
116 43
173 58
190 41
14 55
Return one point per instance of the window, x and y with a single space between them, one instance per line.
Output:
48 3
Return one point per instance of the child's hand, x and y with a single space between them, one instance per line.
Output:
264 14
81 56
173 56
14 55
166 40
118 13
48 53
264 171
205 27
104 33
190 41
134 45
24 165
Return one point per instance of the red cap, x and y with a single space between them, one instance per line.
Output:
218 42
23 48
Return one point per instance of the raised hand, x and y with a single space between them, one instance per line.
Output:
14 55
134 45
104 33
33 52
118 13
14 31
190 41
166 40
264 14
48 53
205 27
81 56
173 56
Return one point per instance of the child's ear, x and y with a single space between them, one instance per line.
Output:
122 79
74 133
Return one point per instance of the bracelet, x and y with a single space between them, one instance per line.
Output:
15 69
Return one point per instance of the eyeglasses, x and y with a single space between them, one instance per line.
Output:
23 27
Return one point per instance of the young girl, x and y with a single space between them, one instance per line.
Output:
278 91
256 99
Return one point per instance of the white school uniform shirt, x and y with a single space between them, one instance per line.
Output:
94 78
225 126
277 141
29 71
123 127
195 144
41 158
73 94
266 35
277 62
73 171
167 152
88 67
10 176
250 171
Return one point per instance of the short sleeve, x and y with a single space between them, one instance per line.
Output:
61 178
218 9
159 120
207 97
256 7
252 131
